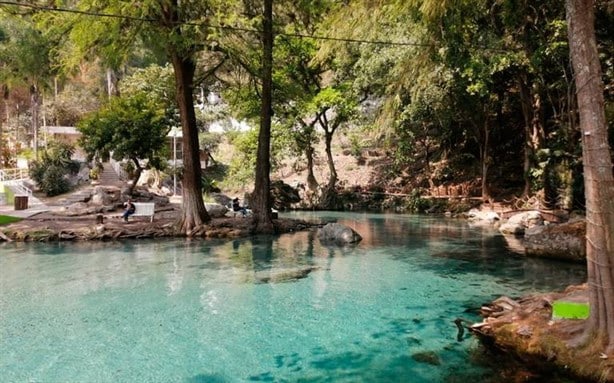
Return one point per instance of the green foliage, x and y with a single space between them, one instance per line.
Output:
52 170
416 204
54 181
209 141
243 163
131 127
209 185
24 52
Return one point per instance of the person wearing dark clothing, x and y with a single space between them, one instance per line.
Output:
129 209
236 206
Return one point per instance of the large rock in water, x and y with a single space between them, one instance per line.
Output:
477 217
565 241
338 234
518 223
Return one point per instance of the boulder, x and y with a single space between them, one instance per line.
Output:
101 196
216 210
482 217
339 234
80 208
284 196
566 241
518 223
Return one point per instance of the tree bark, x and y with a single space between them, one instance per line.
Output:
194 213
34 102
485 160
598 177
312 183
261 197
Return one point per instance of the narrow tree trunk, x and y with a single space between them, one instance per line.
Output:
332 180
312 183
34 105
138 170
261 197
194 213
598 178
525 102
485 161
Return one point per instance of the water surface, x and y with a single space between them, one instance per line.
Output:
264 309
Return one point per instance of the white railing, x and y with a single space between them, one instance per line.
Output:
18 187
13 174
119 170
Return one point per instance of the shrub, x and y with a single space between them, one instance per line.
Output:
54 181
50 172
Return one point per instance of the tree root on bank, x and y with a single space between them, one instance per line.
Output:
524 328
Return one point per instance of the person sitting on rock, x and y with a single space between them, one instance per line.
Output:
129 209
236 206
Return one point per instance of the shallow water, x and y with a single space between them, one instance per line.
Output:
265 309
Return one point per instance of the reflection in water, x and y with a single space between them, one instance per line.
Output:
283 308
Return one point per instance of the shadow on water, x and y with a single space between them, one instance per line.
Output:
207 378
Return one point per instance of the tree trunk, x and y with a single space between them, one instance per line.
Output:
485 161
194 213
138 170
328 200
312 183
598 178
261 197
525 102
34 104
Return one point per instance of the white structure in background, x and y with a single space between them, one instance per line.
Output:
176 133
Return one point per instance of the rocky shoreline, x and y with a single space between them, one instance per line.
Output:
50 226
526 330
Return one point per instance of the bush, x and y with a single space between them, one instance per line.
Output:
50 172
54 181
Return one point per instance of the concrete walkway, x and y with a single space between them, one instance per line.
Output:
27 213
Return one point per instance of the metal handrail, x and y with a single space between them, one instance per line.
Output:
119 170
18 187
12 174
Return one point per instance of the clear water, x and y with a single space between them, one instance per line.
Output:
231 311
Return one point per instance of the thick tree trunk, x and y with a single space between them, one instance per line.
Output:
261 197
598 178
194 213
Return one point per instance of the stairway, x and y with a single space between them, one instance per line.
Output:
109 177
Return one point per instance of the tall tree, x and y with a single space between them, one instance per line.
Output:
171 26
24 57
261 197
132 128
598 178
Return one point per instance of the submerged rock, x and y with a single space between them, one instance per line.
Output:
338 234
283 276
428 357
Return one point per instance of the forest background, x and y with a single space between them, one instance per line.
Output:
477 97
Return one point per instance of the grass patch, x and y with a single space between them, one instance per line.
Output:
5 219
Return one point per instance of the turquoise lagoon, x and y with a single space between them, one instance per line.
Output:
265 309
